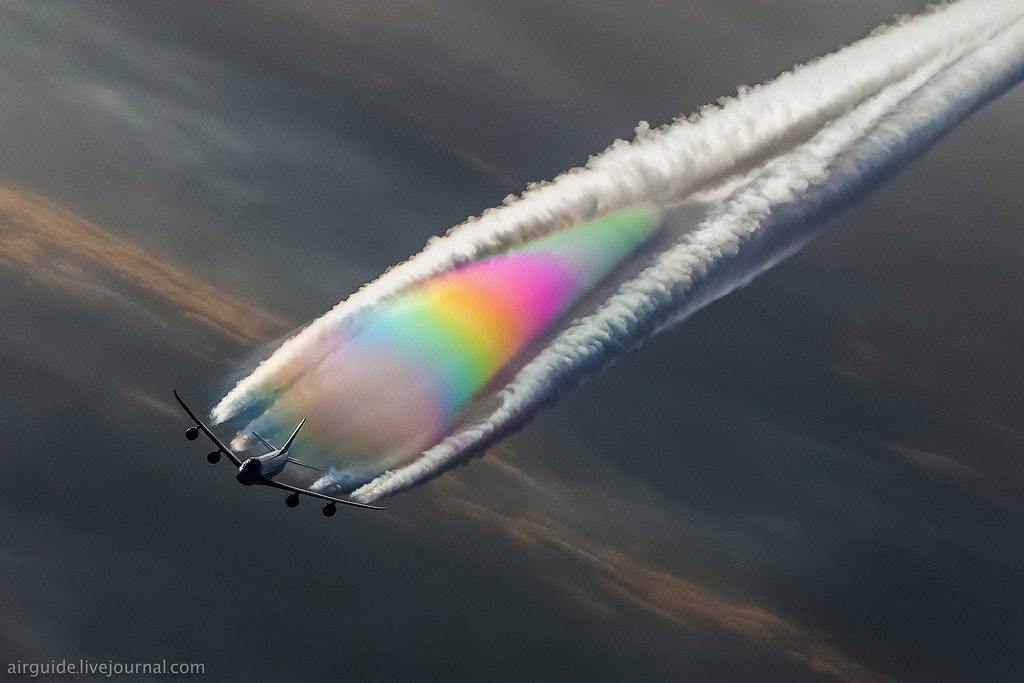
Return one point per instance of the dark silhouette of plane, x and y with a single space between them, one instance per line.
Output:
261 469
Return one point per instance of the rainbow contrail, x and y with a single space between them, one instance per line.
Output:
460 345
395 384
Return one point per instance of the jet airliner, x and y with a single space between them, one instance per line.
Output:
261 469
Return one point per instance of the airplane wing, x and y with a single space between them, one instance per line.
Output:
317 494
206 430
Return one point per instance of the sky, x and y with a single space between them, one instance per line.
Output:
816 478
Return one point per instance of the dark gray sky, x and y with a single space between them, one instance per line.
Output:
816 478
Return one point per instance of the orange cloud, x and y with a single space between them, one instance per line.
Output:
604 578
61 250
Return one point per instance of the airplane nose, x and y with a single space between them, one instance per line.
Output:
249 472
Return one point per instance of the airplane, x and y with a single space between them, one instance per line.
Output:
261 469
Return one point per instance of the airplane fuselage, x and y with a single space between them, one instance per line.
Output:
259 466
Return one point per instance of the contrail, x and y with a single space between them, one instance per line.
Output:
670 162
767 167
778 211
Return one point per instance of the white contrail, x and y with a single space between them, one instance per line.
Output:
666 165
780 207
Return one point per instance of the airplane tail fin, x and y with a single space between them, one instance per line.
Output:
288 443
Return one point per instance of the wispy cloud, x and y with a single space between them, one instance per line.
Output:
161 406
937 464
607 578
45 243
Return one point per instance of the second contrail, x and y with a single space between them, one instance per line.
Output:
460 345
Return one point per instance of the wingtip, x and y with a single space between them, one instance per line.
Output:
368 506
